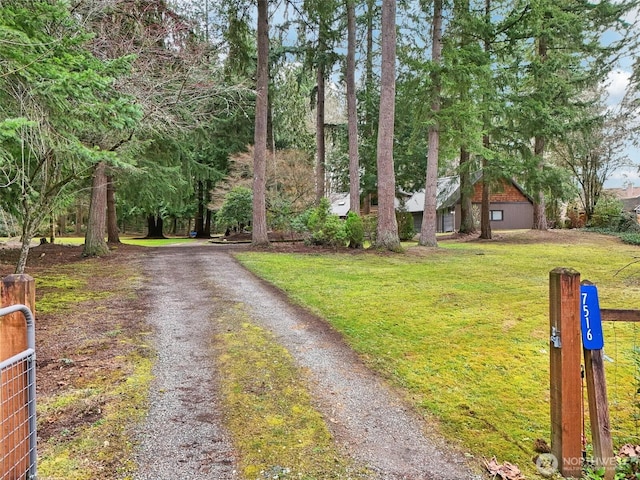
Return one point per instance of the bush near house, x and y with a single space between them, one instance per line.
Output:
354 227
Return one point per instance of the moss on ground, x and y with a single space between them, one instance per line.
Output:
103 447
94 370
276 429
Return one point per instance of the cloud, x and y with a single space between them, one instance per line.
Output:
623 176
616 85
632 16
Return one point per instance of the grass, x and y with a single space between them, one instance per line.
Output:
155 242
143 242
89 416
61 292
275 428
85 452
464 329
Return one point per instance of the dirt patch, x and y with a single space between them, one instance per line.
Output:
524 237
82 342
245 237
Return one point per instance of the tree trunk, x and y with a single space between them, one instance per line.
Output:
369 125
207 219
25 245
429 217
94 243
79 214
485 211
154 226
259 235
320 139
207 224
199 223
113 235
467 223
28 231
52 230
387 232
352 113
62 225
371 4
539 215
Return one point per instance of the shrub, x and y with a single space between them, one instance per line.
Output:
280 213
330 233
300 222
354 227
628 223
406 230
630 238
237 209
575 219
370 223
322 226
606 213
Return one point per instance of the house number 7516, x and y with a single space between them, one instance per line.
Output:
591 323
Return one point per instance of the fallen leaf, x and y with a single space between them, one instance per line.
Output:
506 471
628 450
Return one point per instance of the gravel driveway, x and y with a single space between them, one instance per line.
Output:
183 437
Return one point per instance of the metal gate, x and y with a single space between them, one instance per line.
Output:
18 407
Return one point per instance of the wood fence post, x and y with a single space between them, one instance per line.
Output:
599 412
14 411
565 378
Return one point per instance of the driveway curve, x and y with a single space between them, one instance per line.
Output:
184 437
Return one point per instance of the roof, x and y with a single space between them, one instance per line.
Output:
340 204
447 195
627 192
631 204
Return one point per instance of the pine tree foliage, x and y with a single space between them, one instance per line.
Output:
58 102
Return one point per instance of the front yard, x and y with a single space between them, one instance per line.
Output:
463 329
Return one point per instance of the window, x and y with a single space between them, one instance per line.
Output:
496 215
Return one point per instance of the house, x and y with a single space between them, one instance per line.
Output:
630 198
631 205
626 192
511 208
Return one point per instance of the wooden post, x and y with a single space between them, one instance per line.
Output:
14 444
599 412
565 381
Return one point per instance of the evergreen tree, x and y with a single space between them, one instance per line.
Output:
387 231
558 53
259 224
59 103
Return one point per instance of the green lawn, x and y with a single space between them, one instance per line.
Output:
464 329
144 242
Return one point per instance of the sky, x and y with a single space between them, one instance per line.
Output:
618 82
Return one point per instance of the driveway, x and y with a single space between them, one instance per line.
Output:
184 437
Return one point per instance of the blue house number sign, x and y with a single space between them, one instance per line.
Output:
592 338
